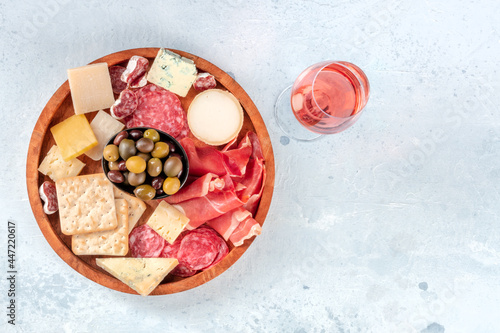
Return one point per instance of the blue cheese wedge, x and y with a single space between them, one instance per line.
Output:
168 221
141 274
173 72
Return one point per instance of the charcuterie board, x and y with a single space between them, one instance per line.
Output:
60 107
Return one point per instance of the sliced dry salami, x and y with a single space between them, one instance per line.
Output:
49 197
198 250
146 89
182 271
135 73
223 249
144 242
161 110
204 81
115 72
125 105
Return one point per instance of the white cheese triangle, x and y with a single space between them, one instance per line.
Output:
141 274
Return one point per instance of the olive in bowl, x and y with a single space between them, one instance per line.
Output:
145 162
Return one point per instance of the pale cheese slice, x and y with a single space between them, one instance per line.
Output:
168 221
91 88
141 274
104 127
173 72
54 166
136 207
215 117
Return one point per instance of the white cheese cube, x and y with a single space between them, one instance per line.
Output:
54 166
168 221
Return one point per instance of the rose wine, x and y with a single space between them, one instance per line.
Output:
328 97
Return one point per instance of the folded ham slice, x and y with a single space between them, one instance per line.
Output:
245 230
198 188
236 158
203 160
227 223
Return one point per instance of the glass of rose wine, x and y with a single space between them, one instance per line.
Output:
326 98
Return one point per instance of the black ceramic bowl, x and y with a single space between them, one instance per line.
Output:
175 148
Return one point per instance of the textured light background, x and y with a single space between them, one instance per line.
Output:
390 226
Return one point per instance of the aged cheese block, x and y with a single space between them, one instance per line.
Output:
104 127
74 136
91 88
141 274
168 221
173 72
56 168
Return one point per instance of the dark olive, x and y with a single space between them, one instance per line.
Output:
127 149
144 156
115 176
172 166
159 192
122 165
135 134
145 145
157 183
119 137
136 179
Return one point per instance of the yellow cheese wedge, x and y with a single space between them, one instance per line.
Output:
167 221
215 117
56 168
91 88
141 274
73 136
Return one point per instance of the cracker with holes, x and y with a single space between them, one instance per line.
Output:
111 242
86 204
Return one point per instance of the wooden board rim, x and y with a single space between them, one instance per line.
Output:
63 251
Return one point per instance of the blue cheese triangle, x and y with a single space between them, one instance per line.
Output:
141 274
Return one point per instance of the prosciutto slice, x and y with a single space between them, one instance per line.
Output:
199 210
227 223
236 159
245 230
203 160
198 188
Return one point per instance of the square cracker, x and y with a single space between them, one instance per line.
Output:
86 204
136 207
111 242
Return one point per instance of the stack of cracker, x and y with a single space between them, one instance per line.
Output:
98 216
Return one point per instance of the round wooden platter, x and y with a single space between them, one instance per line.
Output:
60 107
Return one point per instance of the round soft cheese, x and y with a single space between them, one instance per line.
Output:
215 117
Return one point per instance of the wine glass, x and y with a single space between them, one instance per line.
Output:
326 98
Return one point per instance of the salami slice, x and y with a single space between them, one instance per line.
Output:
183 271
161 110
198 250
204 81
146 89
115 72
125 105
135 73
223 249
49 197
144 242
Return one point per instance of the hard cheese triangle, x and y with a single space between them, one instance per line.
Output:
141 274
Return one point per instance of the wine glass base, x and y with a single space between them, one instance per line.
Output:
287 122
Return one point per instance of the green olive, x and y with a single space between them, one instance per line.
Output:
136 164
113 165
171 185
152 134
127 148
161 150
145 192
136 179
173 166
154 167
144 156
110 153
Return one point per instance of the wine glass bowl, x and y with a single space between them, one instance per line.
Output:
326 98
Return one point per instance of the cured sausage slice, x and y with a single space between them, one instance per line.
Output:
204 81
144 242
49 197
125 105
198 250
159 109
135 73
115 72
